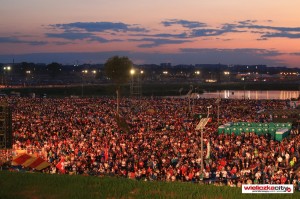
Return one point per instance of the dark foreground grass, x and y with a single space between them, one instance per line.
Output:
147 89
35 185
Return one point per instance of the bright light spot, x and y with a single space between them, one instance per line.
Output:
211 80
7 68
132 71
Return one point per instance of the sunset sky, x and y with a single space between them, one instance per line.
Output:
157 31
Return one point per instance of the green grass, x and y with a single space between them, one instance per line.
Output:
148 89
35 185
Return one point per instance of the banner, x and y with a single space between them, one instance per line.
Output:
267 188
27 160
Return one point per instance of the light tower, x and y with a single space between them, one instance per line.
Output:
135 84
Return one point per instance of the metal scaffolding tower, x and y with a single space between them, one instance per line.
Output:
135 85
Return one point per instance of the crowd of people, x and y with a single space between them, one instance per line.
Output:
155 139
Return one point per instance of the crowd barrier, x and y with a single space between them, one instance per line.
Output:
277 131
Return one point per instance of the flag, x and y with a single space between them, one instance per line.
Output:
208 151
20 159
27 160
60 165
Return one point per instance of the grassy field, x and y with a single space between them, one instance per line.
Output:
148 89
35 185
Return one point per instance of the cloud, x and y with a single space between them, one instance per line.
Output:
88 30
234 56
295 54
183 23
253 26
184 56
154 42
226 28
283 34
164 35
61 43
80 36
257 51
70 35
14 40
99 27
247 22
103 40
270 31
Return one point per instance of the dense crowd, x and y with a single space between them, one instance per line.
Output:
155 139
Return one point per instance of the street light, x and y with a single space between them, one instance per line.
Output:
202 123
132 72
243 79
218 103
83 73
189 97
6 70
27 76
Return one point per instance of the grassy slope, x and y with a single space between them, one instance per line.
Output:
148 89
33 185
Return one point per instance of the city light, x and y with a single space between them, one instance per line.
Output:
132 71
226 73
197 72
211 80
165 72
7 68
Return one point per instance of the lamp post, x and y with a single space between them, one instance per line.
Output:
135 85
202 123
83 73
6 71
190 94
218 111
132 72
28 72
140 82
243 79
202 166
195 93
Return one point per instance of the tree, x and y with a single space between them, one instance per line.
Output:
117 69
